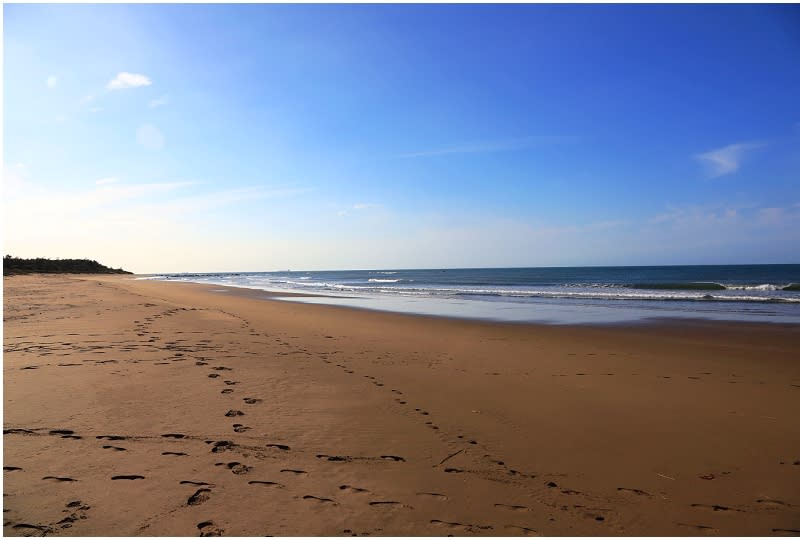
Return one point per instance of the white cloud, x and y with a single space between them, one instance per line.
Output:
52 81
128 80
150 137
160 102
727 159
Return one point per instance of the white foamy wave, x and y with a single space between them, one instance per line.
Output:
764 287
374 280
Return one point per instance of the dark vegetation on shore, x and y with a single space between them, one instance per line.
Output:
15 265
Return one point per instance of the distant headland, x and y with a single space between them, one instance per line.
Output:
15 265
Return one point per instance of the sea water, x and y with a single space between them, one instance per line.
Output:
766 293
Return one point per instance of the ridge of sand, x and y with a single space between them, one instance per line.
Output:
165 409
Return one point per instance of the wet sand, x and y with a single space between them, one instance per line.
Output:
174 409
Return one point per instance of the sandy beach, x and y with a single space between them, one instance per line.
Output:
173 409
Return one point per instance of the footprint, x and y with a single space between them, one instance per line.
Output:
393 458
128 477
715 507
59 478
200 496
174 435
213 375
634 491
514 507
193 483
221 368
115 448
438 496
385 503
208 528
294 471
112 437
266 483
221 446
234 412
279 446
9 468
334 458
453 470
173 454
231 383
319 499
525 531
61 432
238 468
226 391
32 530
239 428
252 401
352 489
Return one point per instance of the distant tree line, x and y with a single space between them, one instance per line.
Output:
15 265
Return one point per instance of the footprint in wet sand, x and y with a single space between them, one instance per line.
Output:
128 477
111 437
227 391
514 507
319 499
115 448
173 454
278 446
252 401
59 478
62 432
265 483
174 435
634 491
525 531
32 530
234 412
200 496
294 471
208 528
352 489
239 428
194 483
437 496
9 468
236 467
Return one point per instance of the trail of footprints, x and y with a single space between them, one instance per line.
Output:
203 491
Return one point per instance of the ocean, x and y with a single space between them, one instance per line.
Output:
575 295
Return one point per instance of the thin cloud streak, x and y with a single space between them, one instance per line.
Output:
727 159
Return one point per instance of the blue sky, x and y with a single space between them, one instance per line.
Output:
264 137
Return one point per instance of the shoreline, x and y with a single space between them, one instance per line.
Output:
648 322
168 411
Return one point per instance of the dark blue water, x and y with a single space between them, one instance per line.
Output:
583 294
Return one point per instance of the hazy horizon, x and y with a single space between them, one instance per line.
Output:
246 138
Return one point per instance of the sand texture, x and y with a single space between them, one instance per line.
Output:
169 409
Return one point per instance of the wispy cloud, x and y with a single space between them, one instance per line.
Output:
727 159
128 80
52 81
160 102
504 145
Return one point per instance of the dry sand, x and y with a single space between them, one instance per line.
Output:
167 409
